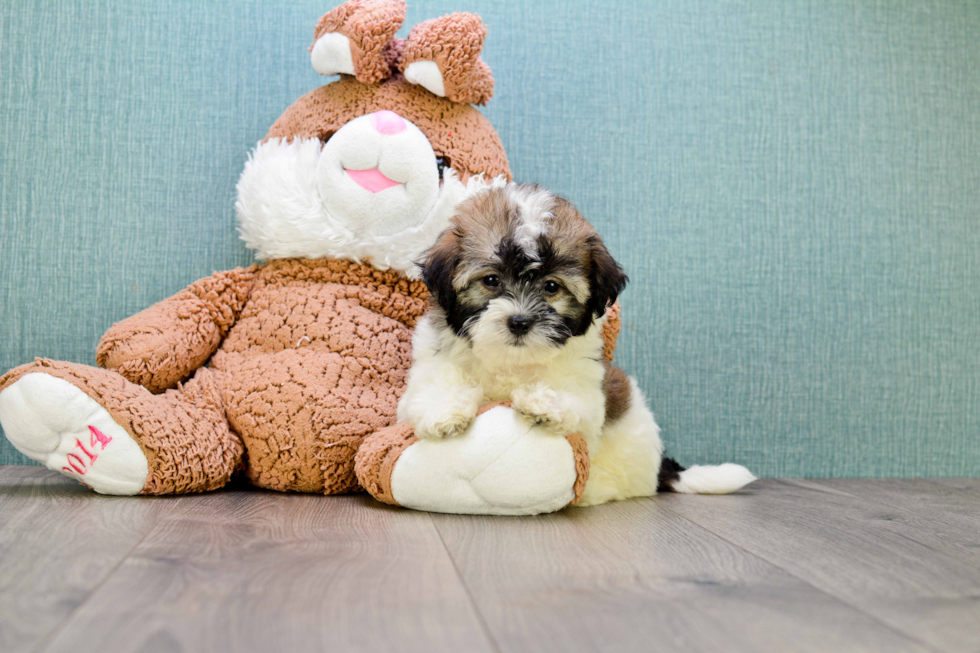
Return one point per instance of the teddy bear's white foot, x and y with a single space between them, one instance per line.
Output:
502 465
51 421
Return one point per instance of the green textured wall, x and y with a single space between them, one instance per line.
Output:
793 186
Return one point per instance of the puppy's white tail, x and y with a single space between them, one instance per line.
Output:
702 479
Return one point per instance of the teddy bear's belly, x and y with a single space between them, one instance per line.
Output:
305 382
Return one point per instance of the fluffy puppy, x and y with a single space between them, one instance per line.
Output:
520 284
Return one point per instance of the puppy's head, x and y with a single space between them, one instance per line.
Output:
520 268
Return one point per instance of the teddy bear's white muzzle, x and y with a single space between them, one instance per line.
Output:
377 173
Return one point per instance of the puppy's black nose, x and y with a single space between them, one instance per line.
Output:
519 324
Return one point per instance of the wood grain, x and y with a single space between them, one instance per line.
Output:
58 541
633 576
956 499
801 565
918 571
261 571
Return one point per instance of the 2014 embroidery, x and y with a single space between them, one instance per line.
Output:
75 462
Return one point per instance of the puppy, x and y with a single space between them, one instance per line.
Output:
520 284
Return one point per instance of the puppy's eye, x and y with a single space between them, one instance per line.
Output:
551 287
491 281
441 165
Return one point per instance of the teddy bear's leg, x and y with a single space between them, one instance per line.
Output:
116 436
502 465
354 39
443 56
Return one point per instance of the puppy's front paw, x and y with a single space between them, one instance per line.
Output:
446 424
544 406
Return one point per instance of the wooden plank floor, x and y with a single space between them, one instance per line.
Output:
829 565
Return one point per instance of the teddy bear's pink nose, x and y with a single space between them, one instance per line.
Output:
388 123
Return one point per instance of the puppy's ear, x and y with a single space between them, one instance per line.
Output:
438 268
606 280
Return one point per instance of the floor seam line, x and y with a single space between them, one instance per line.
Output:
884 502
841 600
45 643
466 588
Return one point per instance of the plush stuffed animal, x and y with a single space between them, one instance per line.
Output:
280 371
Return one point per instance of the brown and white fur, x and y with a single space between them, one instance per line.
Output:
520 285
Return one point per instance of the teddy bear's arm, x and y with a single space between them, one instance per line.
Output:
163 344
610 332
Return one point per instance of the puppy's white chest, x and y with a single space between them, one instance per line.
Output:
500 387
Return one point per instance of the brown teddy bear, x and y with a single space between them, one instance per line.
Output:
281 370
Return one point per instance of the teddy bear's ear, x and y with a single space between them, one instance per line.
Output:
353 39
443 55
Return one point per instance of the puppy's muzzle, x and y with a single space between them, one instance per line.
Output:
519 325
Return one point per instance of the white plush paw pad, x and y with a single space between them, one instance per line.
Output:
331 55
500 466
542 405
51 421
